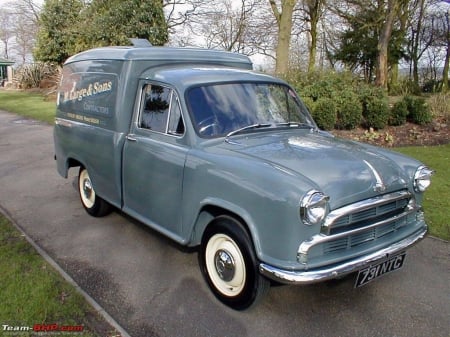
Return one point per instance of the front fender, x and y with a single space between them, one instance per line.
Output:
267 200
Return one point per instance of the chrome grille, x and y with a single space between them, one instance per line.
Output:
350 228
366 212
359 238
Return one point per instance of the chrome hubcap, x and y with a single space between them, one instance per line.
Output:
87 188
225 265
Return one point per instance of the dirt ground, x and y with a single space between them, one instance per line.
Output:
435 133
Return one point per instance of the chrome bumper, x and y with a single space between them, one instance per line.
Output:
347 267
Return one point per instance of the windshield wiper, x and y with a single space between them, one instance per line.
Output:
295 125
248 127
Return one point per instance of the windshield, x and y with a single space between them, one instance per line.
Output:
218 110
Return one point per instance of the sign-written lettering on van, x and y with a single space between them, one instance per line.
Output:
83 118
90 90
92 94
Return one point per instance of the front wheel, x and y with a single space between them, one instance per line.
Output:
228 264
91 202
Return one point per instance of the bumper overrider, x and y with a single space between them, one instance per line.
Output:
340 269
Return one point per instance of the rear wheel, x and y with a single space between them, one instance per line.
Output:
92 203
228 263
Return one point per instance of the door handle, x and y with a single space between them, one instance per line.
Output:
131 137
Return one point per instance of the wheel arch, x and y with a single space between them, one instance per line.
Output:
72 162
210 211
63 166
229 262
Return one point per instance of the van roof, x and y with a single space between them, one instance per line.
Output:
186 76
160 53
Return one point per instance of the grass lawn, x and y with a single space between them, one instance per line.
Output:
24 103
34 296
437 197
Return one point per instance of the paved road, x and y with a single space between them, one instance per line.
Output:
153 287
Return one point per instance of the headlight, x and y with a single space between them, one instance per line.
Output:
313 207
422 178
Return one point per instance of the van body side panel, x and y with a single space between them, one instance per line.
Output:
86 127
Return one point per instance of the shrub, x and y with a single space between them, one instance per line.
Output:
375 106
309 103
403 87
348 110
431 86
376 113
319 89
399 113
439 105
34 75
418 111
324 113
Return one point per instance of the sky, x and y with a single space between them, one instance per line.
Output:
258 61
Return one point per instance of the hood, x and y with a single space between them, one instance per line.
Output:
346 171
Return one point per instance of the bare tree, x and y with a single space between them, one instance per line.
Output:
178 12
313 10
283 13
235 27
391 10
18 27
447 54
25 37
6 31
243 26
441 42
29 9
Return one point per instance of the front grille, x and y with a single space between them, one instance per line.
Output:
349 228
360 238
366 212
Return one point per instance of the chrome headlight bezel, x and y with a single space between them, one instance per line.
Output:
422 178
314 207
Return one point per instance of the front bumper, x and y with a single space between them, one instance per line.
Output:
341 269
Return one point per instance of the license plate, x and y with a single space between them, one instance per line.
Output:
374 271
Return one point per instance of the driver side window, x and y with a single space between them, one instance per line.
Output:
160 110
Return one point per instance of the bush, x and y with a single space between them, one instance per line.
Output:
375 106
308 102
34 75
404 86
399 113
324 113
319 89
348 110
439 105
418 111
376 113
431 86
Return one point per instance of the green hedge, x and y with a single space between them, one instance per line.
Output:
353 103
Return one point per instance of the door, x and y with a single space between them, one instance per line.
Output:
153 161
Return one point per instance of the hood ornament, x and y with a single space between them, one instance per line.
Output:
379 185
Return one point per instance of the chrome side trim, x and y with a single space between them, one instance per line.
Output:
362 206
327 273
66 122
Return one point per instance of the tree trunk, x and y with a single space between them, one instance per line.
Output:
284 21
447 57
312 50
416 43
383 44
314 7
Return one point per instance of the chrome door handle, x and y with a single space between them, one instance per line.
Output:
131 137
